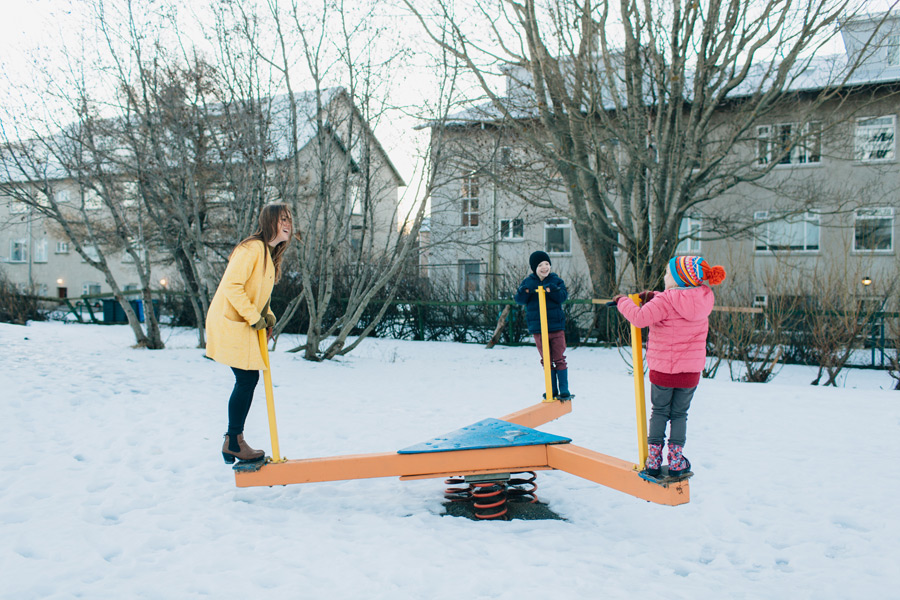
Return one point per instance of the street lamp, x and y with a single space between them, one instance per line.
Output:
163 282
866 280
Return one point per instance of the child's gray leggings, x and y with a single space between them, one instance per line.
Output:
669 404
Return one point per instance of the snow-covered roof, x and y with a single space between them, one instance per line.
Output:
45 151
813 75
871 57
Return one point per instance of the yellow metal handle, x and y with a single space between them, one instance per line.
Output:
270 394
545 343
637 361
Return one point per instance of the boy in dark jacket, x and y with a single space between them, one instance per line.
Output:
556 294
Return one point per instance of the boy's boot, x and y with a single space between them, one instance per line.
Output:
678 464
563 377
236 447
553 385
654 460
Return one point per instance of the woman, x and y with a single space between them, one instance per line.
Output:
239 310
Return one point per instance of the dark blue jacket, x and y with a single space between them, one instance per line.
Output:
556 295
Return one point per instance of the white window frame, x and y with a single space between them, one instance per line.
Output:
469 193
763 145
86 288
463 279
884 213
17 207
356 204
18 251
129 194
355 239
63 197
689 226
92 200
553 224
62 248
40 251
92 253
809 222
807 150
892 50
135 245
874 136
511 225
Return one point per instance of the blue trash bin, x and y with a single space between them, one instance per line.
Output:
138 307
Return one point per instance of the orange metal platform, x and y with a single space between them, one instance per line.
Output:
593 466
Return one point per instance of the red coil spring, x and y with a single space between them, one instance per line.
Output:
522 489
490 497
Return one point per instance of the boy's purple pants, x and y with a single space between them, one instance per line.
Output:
557 342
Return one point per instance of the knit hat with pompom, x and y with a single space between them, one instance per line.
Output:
691 271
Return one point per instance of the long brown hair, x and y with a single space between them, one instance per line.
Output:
269 227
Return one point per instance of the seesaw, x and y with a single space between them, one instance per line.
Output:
482 453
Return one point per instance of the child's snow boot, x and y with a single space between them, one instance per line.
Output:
678 464
553 385
563 377
654 460
236 447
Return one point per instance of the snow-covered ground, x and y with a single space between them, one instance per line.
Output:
113 485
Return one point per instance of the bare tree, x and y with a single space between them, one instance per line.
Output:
68 178
647 111
337 178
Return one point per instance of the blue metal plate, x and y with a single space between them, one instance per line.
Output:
489 433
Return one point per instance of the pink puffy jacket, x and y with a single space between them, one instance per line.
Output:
679 320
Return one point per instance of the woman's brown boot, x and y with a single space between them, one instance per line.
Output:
240 450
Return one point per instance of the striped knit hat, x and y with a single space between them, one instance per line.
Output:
691 271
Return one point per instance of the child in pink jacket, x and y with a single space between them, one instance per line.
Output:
678 318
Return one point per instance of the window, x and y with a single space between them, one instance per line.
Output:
90 288
92 200
63 197
17 207
795 232
356 204
892 50
469 195
129 194
356 238
62 247
873 229
133 244
512 229
92 253
18 251
40 251
789 144
689 233
874 140
763 145
470 278
558 236
505 156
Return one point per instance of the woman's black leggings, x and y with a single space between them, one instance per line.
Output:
241 398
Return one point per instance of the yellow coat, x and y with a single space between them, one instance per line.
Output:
244 290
